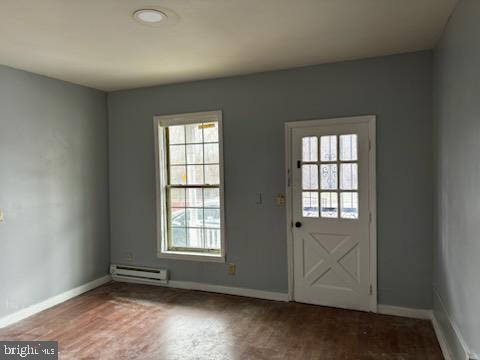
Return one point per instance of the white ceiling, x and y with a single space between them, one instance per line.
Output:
97 43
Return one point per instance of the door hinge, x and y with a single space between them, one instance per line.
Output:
369 145
299 164
288 177
370 217
371 289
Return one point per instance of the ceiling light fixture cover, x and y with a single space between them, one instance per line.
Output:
149 16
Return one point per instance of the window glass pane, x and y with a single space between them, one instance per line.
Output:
328 148
310 204
193 133
310 177
210 132
179 237
177 197
194 217
212 218
211 153
194 198
212 238
348 147
194 212
349 205
211 198
329 204
176 134
195 174
178 175
212 174
310 148
328 173
194 154
177 154
348 177
195 238
177 217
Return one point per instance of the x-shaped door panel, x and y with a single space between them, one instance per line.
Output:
330 260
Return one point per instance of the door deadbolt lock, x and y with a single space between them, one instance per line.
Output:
298 224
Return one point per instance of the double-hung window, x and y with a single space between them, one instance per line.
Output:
190 211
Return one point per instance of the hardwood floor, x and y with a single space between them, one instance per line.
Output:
129 321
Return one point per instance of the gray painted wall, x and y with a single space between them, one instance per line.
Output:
53 188
457 208
397 89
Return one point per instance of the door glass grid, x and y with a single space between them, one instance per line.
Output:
336 173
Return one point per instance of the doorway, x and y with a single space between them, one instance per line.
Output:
331 212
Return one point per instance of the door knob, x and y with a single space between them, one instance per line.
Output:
298 224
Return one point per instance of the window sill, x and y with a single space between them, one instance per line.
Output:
177 255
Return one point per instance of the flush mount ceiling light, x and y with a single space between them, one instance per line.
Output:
149 16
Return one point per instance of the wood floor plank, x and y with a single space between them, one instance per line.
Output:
131 321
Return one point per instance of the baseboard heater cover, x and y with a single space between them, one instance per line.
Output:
145 274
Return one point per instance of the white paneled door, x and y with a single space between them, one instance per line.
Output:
331 189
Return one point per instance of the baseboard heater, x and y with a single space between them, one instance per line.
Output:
137 274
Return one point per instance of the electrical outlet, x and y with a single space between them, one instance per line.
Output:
232 269
1 216
129 256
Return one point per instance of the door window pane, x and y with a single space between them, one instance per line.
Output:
329 204
328 148
194 154
310 204
349 205
348 176
348 147
338 171
310 148
310 177
328 173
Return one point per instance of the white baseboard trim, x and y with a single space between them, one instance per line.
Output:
441 339
54 300
425 314
449 336
456 351
229 290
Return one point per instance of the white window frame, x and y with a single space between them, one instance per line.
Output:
160 123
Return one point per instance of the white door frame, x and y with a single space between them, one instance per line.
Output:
370 120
